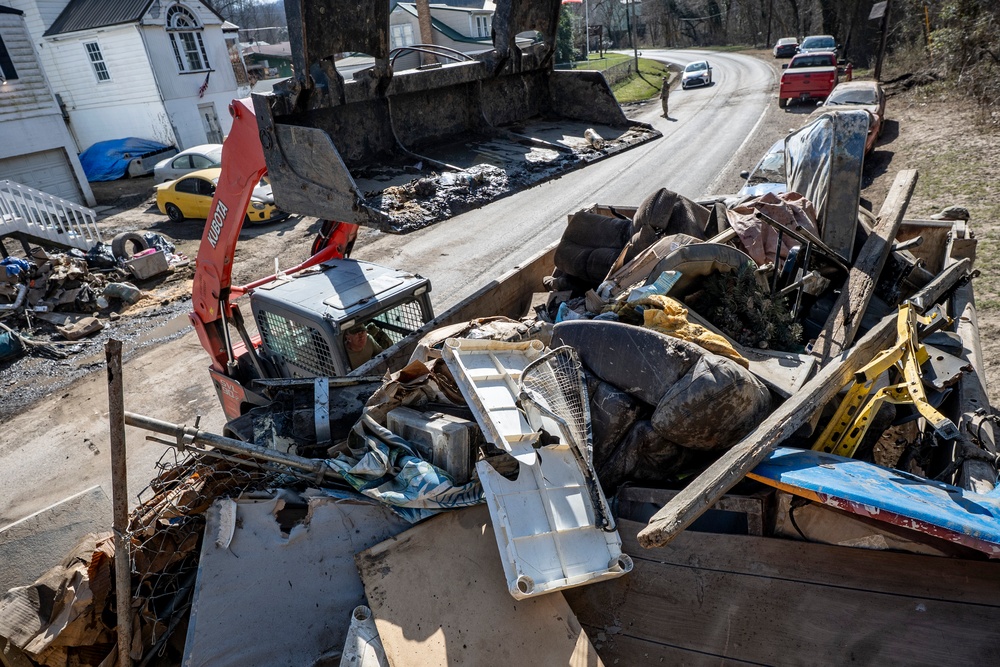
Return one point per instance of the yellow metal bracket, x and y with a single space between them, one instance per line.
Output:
851 421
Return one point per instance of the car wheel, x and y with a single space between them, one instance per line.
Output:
782 102
174 213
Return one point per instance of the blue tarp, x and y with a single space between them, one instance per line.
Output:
108 160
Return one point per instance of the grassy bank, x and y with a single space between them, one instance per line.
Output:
644 85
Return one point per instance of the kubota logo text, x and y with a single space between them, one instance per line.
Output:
218 220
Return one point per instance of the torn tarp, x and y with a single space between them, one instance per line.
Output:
385 467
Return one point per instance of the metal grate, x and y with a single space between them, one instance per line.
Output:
299 344
555 383
401 321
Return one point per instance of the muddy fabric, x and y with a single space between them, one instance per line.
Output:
641 362
668 316
590 245
642 456
612 413
666 212
713 406
759 238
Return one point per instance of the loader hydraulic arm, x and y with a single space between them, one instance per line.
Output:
212 292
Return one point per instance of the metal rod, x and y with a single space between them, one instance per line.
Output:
186 434
803 235
119 500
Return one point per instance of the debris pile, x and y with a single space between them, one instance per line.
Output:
513 490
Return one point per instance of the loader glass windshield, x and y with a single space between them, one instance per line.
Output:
399 322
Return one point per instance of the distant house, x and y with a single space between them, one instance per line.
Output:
467 28
268 61
36 149
156 69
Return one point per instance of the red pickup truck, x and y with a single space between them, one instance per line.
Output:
808 76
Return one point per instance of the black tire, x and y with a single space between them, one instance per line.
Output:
127 244
782 102
174 213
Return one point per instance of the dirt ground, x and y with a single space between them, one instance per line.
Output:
927 129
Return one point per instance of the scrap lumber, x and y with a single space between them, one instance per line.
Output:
119 501
845 320
732 466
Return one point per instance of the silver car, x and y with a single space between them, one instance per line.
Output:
698 73
206 156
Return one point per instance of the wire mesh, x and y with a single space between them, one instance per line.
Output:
556 382
299 344
166 531
401 321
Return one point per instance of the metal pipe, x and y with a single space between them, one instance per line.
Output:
185 435
22 291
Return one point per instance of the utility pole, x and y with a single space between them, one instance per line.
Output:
770 13
881 46
633 32
426 29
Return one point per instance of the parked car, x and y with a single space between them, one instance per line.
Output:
814 43
698 73
768 175
786 47
867 95
808 76
191 159
191 197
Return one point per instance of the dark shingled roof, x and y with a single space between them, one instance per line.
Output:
87 14
10 10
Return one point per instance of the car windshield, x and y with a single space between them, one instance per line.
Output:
819 43
696 67
771 168
215 155
786 40
853 96
810 61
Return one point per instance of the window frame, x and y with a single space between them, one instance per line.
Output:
185 30
405 31
98 65
7 69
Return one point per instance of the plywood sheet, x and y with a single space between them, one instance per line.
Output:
440 598
772 601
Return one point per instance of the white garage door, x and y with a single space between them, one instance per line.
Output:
48 171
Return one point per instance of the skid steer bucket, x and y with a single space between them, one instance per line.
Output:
400 150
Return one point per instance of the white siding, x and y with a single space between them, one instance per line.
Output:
456 20
180 89
128 105
27 95
36 147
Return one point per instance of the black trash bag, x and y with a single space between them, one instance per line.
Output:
100 257
154 240
643 456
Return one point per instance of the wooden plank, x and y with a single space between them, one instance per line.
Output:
942 283
771 601
439 597
624 649
706 489
845 320
750 506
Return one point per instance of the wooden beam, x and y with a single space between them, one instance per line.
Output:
732 466
941 285
845 320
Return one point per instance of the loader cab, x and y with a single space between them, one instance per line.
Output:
302 319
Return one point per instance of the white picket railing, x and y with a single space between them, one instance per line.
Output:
44 218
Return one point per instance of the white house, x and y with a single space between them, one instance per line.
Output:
154 69
466 28
35 147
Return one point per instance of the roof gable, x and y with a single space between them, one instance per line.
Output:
87 14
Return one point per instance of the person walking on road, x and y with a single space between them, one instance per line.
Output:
664 94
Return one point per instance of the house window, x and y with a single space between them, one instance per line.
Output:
185 37
482 25
7 71
97 61
401 35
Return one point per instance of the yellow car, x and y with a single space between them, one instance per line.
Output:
190 196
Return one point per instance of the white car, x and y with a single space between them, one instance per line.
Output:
698 73
206 156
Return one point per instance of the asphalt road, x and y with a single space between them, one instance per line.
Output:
59 446
706 128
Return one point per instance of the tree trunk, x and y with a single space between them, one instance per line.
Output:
426 31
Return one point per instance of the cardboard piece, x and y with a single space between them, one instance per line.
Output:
439 597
